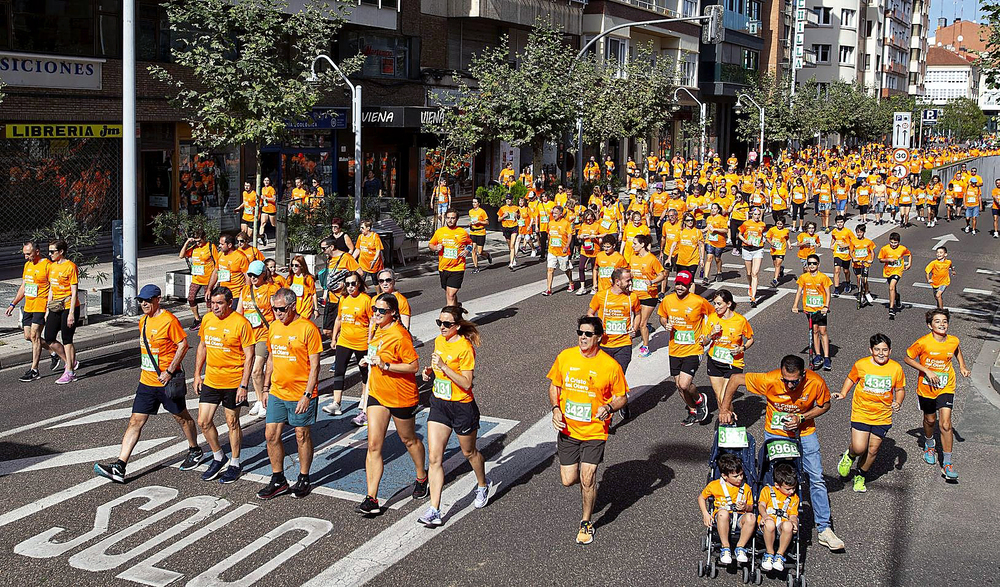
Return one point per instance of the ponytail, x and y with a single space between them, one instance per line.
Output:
466 328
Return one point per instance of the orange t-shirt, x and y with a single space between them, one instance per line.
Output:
290 348
811 391
259 298
460 355
355 313
589 243
726 496
163 333
478 215
304 287
605 265
644 270
560 233
35 279
873 394
616 312
935 356
268 194
585 384
393 390
814 291
718 226
940 272
224 342
689 246
807 244
841 242
735 332
753 232
252 253
249 205
369 246
508 216
894 257
773 499
232 271
62 275
687 317
777 240
203 261
862 251
452 255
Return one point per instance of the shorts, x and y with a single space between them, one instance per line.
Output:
716 251
940 289
404 413
863 208
751 254
972 212
687 365
148 400
878 207
281 411
462 417
442 208
452 279
879 430
995 211
841 206
819 318
29 318
776 257
719 369
509 231
572 451
478 239
554 262
861 270
891 278
193 291
55 325
330 315
930 405
226 397
844 264
649 302
825 206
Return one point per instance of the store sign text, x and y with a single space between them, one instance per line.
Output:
50 71
64 131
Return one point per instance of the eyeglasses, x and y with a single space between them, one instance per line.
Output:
381 310
351 283
296 264
388 280
281 309
241 241
444 324
587 333
811 263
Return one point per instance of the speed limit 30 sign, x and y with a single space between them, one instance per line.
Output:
901 155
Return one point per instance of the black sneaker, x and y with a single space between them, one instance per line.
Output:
369 507
691 419
30 375
193 459
701 408
195 325
214 469
273 489
53 361
114 471
301 488
489 258
420 489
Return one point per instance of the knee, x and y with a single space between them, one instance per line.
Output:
435 459
272 436
137 421
375 446
205 423
302 435
471 453
233 421
769 524
944 425
786 526
567 480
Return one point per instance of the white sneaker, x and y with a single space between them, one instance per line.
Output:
765 563
333 409
830 540
581 291
778 563
255 410
726 558
741 555
482 495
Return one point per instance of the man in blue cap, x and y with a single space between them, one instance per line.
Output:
162 344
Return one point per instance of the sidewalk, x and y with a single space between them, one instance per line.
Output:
103 330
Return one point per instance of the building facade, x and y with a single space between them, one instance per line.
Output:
950 76
834 37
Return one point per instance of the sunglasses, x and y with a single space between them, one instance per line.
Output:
444 324
296 265
791 382
281 309
385 280
143 300
587 333
351 283
241 241
381 310
53 251
810 263
254 275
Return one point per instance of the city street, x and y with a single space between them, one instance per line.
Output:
167 527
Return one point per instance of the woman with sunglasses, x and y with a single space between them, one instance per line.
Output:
751 236
726 336
341 240
369 252
350 331
303 284
244 246
392 393
687 249
453 406
63 309
255 306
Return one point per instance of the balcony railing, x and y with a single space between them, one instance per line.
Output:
657 6
383 4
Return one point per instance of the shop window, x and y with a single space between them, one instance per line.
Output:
68 31
385 56
152 33
109 35
4 25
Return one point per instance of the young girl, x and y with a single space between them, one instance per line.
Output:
777 239
303 284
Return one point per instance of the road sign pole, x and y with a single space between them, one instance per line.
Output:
920 137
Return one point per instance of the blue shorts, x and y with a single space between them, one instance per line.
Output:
710 250
281 411
442 208
824 206
972 212
841 205
876 429
148 400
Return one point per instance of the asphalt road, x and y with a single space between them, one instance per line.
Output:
61 526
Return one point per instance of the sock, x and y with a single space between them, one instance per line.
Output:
946 458
218 455
928 442
278 478
304 477
120 462
234 462
419 480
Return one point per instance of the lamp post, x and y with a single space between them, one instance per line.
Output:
355 126
739 108
701 107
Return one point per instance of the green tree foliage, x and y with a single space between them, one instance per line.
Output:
963 119
989 60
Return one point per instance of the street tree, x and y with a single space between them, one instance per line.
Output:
989 60
250 60
963 119
780 125
459 133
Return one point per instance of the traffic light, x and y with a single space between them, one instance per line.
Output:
712 31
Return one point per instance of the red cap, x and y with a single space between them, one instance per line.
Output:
684 278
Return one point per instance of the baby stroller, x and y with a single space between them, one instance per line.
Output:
773 451
736 440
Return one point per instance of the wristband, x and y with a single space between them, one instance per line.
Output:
170 373
244 387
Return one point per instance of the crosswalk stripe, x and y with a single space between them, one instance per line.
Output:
972 290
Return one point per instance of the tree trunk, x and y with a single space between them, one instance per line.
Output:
537 158
260 199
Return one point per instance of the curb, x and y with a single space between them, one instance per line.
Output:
984 377
82 344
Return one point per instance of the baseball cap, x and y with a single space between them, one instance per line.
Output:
148 292
684 278
255 268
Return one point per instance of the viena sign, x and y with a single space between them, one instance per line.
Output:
50 71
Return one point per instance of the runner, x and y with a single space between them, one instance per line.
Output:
249 208
862 257
939 273
879 388
586 387
683 315
350 331
294 345
509 215
590 244
543 212
891 256
231 266
255 306
726 336
453 407
452 245
204 256
618 309
226 351
935 192
777 240
525 223
244 246
392 392
369 252
813 288
647 274
840 244
606 262
267 210
751 236
863 199
995 207
301 281
795 397
670 233
478 221
973 203
688 251
162 334
34 291
716 228
560 231
63 307
931 355
799 205
634 226
339 266
807 243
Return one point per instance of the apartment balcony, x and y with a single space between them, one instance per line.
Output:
381 14
897 42
567 15
655 6
895 68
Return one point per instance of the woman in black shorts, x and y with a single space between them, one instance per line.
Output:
726 336
63 310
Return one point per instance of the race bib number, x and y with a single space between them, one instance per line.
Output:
450 252
640 284
31 290
838 249
861 253
543 219
250 211
372 354
684 336
782 449
253 317
442 388
511 216
605 224
814 301
877 384
778 419
520 222
722 354
779 202
588 246
754 240
776 244
579 411
605 272
146 364
298 288
896 263
616 326
942 380
225 275
733 437
198 270
556 242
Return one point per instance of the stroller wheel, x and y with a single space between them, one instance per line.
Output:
701 569
802 581
713 570
758 576
746 575
791 580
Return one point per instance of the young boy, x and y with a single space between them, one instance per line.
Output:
840 243
779 513
730 494
939 272
777 238
808 242
814 291
891 256
862 257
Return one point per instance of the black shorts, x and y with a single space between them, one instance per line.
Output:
650 302
226 397
692 269
462 417
844 264
892 278
330 315
930 405
406 413
861 270
879 430
719 369
863 208
572 451
509 231
29 318
55 325
995 212
148 400
776 257
687 365
452 279
478 239
819 318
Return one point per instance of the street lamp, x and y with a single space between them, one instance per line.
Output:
355 126
739 108
701 106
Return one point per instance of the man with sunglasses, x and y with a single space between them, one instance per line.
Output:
230 271
795 397
452 245
813 288
587 386
34 291
168 344
255 305
619 310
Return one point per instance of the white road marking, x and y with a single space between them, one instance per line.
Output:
972 290
987 271
923 284
941 240
877 280
74 457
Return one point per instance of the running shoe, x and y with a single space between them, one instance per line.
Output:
547 292
114 471
817 361
827 364
774 283
691 419
489 258
701 408
232 473
586 532
718 278
67 377
333 409
30 375
859 484
581 291
420 489
966 229
482 495
572 287
360 420
930 456
736 253
431 518
258 410
195 325
777 563
949 472
193 458
845 464
301 488
476 270
643 350
273 489
892 314
53 361
214 469
765 563
369 507
725 557
741 555
705 282
830 540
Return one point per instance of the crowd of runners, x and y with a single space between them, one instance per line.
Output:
639 252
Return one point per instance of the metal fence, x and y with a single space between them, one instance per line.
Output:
987 167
